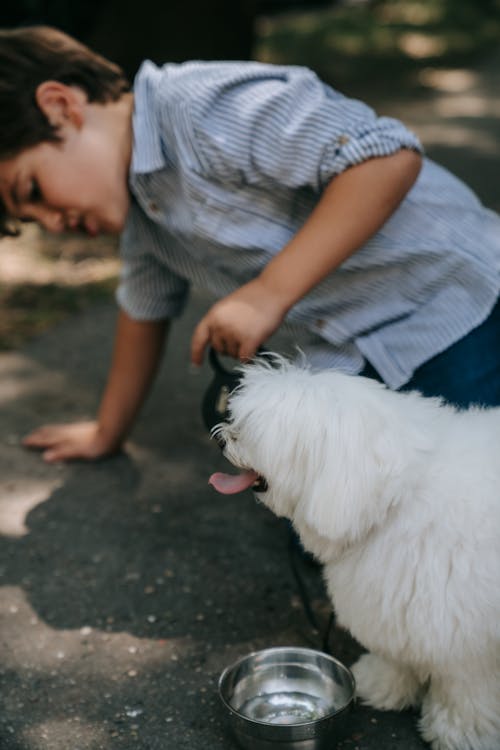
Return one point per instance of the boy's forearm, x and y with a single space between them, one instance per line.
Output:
354 206
136 356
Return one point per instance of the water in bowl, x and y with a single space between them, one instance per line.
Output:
286 708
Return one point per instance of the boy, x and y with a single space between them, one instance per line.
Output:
271 189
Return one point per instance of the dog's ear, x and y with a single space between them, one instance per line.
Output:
358 468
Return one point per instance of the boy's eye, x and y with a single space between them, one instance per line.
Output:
34 193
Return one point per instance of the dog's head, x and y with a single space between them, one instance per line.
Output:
320 448
261 411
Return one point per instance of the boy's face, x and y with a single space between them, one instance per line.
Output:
79 183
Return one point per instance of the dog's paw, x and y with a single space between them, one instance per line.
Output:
385 685
462 715
445 732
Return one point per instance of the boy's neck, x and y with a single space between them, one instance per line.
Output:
118 118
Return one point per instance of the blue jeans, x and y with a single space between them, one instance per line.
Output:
467 373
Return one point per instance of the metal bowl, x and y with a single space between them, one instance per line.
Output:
287 698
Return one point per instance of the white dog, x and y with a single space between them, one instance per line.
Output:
399 497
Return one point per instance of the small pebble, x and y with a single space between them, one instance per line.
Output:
132 713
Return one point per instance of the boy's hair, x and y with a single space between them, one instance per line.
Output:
28 57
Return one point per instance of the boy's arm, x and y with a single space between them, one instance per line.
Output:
353 207
137 353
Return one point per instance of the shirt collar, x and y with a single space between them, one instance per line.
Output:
147 151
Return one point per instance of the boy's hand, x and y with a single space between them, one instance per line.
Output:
239 323
63 442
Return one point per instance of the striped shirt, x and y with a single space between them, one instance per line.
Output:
229 160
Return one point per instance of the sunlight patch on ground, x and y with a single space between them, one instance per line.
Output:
448 81
413 13
38 258
468 105
456 136
94 654
18 498
66 733
420 46
20 376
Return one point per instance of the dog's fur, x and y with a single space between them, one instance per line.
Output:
398 496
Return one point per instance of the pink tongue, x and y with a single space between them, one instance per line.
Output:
230 484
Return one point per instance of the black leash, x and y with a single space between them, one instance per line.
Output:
214 402
294 555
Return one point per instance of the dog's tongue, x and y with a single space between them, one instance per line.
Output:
230 484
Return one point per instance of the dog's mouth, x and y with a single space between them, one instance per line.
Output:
230 484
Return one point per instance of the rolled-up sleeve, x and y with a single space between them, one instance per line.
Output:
147 289
284 125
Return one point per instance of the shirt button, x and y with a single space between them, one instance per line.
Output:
342 140
320 323
153 207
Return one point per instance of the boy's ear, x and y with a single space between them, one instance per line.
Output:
61 104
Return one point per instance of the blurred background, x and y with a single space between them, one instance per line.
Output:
342 40
433 63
